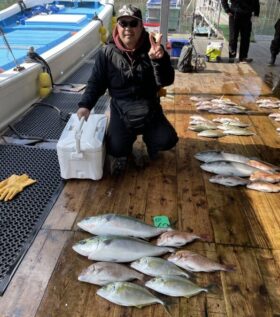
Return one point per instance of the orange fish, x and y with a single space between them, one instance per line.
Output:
178 238
195 262
264 187
265 177
264 166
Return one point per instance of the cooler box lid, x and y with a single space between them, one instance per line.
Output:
83 136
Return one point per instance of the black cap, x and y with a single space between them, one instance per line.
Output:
129 10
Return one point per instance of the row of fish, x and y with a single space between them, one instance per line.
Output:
231 169
219 127
271 103
219 105
118 240
276 117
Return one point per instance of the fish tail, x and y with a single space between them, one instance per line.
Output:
171 250
205 237
212 288
141 277
167 308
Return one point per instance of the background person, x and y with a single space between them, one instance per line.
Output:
275 44
240 23
133 66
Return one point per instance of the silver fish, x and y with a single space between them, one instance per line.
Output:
211 134
227 110
264 187
102 273
128 294
238 131
228 180
269 105
175 286
225 120
200 98
217 155
198 118
225 101
228 125
202 127
113 224
154 266
274 115
229 168
268 101
178 238
117 248
195 262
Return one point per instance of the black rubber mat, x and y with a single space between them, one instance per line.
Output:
65 102
41 123
22 217
82 75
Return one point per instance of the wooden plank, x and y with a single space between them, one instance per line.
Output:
244 289
24 293
66 208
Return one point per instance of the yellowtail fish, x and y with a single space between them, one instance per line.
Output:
117 248
238 131
217 155
128 294
113 224
175 286
229 168
211 133
154 266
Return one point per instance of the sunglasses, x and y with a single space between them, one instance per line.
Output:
125 24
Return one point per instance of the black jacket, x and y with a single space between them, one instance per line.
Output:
126 78
244 7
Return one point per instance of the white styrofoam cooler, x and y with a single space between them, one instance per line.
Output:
81 147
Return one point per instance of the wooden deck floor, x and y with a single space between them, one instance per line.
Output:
244 225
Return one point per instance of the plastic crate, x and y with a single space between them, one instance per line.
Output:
177 45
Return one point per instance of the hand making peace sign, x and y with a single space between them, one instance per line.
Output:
156 51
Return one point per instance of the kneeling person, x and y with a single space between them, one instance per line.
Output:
133 66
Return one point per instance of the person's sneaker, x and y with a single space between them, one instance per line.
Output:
117 164
231 60
245 60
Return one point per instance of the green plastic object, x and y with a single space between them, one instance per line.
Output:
161 221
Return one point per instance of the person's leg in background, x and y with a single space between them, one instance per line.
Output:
245 35
233 36
275 44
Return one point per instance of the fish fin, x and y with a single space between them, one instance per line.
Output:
229 267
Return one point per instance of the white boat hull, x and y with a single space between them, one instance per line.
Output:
18 90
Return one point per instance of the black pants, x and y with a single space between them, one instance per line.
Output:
239 24
275 43
158 135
